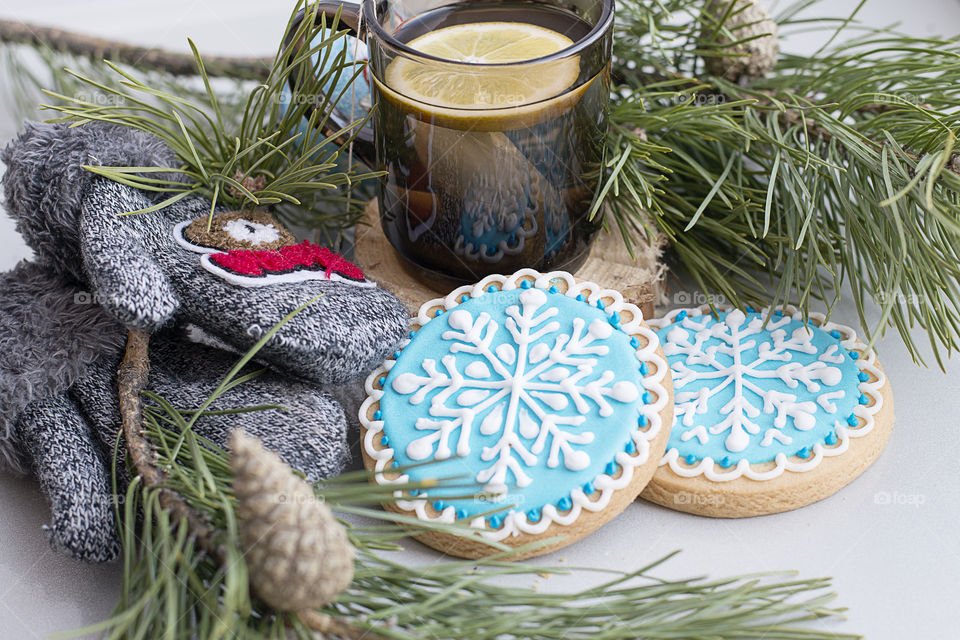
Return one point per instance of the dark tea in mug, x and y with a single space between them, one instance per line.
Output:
491 137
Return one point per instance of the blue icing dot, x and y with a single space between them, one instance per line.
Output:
600 304
412 333
414 492
647 397
439 312
831 438
635 343
863 376
395 464
553 289
836 334
492 288
439 506
533 515
614 319
644 369
525 284
396 354
750 309
690 458
643 420
610 469
483 340
631 447
581 297
461 514
852 420
727 462
564 504
378 415
855 355
864 399
680 316
384 441
495 522
784 341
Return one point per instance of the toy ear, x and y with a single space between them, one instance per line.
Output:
125 278
45 183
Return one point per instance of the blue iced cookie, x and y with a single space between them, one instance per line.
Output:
772 412
525 407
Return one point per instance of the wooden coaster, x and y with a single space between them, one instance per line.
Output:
639 279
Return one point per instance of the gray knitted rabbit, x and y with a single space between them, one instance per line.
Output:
64 316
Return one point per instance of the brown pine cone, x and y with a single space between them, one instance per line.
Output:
298 555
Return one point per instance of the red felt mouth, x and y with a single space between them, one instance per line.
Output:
305 256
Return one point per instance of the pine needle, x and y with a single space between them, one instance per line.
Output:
171 589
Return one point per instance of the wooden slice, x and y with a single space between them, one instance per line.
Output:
639 279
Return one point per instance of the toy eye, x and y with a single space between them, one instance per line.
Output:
232 231
294 263
255 233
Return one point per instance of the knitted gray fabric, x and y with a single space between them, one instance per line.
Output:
58 366
63 321
144 278
311 435
74 476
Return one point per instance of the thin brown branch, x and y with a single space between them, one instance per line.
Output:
329 626
146 58
131 380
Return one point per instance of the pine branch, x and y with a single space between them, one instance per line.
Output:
834 168
281 140
173 588
143 58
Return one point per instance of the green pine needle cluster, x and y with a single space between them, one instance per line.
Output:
835 169
276 150
173 590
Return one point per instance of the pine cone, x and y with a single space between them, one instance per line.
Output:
752 59
298 555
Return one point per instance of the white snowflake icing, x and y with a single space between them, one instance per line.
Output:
517 387
737 336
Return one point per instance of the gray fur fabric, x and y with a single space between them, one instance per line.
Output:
63 321
45 182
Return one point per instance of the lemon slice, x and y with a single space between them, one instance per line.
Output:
488 97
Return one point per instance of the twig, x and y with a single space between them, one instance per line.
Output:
327 625
131 380
177 64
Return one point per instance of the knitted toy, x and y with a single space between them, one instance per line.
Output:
206 291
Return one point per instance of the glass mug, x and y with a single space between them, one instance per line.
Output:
491 166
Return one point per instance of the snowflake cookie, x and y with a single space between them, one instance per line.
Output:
771 412
536 405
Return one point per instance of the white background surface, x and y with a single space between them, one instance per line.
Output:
890 539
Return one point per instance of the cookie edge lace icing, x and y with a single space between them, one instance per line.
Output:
517 522
866 362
